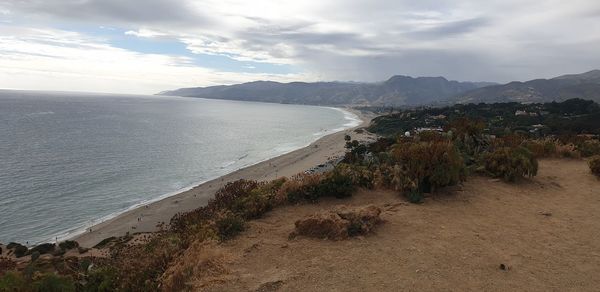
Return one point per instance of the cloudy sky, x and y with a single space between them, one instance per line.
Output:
146 46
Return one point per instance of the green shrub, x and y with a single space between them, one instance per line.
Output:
542 148
430 136
429 165
35 255
335 184
101 280
13 281
254 205
105 242
589 148
360 176
594 164
229 225
43 248
19 250
301 188
510 164
68 244
466 127
53 283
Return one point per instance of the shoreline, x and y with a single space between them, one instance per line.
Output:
148 217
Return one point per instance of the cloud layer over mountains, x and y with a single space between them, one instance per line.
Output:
497 40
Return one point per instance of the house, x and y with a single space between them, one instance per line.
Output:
521 113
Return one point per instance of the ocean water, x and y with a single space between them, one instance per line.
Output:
68 161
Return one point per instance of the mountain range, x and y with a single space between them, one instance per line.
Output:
585 86
398 90
404 91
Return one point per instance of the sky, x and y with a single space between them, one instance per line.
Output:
147 46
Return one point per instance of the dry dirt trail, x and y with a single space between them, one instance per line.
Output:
545 230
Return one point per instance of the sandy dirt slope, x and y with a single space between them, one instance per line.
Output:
545 230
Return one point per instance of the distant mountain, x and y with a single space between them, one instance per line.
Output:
396 91
585 86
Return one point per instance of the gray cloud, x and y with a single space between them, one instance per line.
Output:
451 28
496 40
122 11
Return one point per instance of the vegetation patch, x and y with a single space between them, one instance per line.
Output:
338 224
594 164
510 164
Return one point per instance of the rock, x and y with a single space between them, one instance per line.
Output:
504 267
340 223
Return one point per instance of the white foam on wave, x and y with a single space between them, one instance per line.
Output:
352 120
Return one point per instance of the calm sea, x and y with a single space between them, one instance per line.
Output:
70 160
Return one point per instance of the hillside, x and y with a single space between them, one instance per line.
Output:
455 241
585 86
570 117
398 90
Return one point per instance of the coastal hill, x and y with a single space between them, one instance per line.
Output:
541 231
585 86
396 91
405 91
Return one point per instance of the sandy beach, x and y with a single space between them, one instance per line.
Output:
147 218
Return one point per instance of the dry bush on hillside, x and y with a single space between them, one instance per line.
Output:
594 164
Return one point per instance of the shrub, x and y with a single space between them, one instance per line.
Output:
53 283
567 151
43 248
35 255
381 145
466 127
229 225
428 166
335 184
105 242
254 205
231 196
589 148
542 148
68 244
18 249
226 196
511 140
13 281
360 176
431 136
301 188
594 164
103 279
511 163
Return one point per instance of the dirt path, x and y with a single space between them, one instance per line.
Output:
545 230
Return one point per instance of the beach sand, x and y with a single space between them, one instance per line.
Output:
147 218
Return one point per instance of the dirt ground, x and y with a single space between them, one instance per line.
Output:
544 230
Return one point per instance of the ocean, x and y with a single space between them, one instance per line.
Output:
71 160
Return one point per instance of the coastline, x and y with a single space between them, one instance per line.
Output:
148 217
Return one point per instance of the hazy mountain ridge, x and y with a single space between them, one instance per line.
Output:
398 90
585 86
